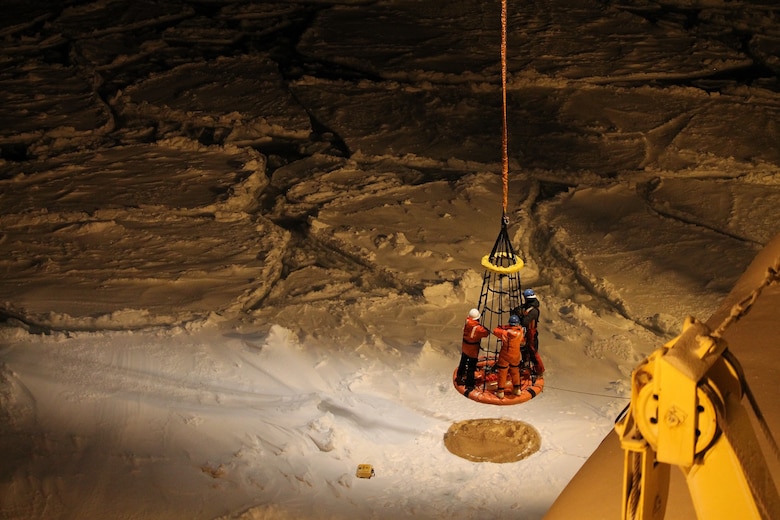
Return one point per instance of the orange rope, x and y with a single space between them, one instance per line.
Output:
504 138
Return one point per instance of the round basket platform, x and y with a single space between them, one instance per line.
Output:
484 391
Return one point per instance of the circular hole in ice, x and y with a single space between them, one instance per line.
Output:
492 440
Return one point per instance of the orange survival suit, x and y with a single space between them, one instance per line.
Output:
512 336
473 332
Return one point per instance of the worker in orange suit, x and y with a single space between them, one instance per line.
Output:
512 336
473 332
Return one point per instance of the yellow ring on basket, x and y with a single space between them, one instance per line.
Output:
500 269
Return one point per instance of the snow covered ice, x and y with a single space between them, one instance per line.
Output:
238 239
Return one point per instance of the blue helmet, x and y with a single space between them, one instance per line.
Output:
514 320
529 293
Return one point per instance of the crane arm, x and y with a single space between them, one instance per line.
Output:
686 411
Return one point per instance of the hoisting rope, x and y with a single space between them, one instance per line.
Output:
743 306
504 136
502 259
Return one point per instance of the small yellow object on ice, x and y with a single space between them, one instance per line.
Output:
364 471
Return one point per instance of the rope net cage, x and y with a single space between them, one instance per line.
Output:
501 291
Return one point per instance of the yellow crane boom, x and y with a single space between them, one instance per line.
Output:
686 410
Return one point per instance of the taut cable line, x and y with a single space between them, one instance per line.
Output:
504 134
